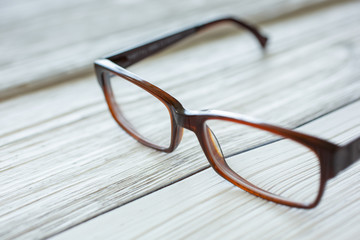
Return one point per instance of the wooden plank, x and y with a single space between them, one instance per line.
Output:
206 206
44 43
64 160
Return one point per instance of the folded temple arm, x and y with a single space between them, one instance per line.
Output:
134 55
347 155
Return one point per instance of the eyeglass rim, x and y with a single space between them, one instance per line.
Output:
195 121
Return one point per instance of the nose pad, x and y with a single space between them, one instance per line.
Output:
213 146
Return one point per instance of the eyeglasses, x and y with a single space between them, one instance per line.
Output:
283 166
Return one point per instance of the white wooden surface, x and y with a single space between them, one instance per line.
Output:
64 161
206 206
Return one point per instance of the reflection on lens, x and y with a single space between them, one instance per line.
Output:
147 115
280 166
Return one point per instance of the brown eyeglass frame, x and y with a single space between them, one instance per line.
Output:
333 158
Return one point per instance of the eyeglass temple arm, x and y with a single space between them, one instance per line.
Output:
134 55
346 156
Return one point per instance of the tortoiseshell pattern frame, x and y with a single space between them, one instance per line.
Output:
333 158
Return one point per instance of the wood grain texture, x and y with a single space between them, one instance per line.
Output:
206 206
64 160
44 43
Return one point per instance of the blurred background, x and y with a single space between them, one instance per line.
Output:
43 42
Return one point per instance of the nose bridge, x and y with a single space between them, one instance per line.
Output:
190 120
